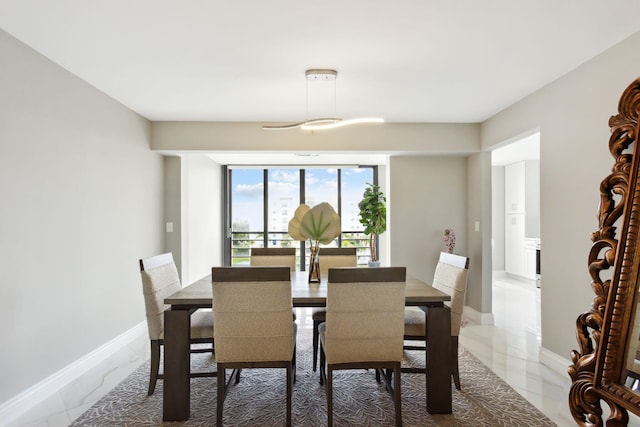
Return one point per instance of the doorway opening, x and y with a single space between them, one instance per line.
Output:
516 243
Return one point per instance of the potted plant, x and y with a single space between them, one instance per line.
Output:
373 215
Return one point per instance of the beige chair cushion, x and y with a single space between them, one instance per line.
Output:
451 280
253 321
202 324
364 322
157 284
330 258
266 259
335 261
274 260
414 322
336 258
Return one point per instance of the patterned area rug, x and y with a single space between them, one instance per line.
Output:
259 399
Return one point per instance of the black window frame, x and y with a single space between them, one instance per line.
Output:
227 183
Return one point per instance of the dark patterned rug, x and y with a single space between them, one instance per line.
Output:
259 399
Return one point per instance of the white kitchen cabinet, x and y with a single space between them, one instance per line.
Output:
522 217
514 188
514 260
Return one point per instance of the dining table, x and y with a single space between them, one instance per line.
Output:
198 295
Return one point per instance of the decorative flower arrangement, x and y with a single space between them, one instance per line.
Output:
449 240
320 225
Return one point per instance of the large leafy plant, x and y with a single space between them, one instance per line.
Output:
373 215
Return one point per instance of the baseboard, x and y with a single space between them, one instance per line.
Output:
23 402
477 317
553 361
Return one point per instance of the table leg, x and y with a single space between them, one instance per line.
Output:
176 386
438 360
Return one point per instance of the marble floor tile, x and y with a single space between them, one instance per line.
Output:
511 345
510 348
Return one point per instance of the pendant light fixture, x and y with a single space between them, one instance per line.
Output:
326 122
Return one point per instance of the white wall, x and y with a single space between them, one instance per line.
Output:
173 208
478 223
497 218
193 203
572 114
81 202
427 195
201 216
385 138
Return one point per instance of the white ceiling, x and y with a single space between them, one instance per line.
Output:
406 61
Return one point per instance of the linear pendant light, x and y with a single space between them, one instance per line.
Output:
322 123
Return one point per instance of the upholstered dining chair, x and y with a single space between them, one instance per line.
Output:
329 258
159 280
252 313
451 278
364 327
273 257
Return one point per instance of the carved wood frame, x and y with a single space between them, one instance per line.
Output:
603 331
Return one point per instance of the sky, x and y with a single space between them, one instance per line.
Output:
284 194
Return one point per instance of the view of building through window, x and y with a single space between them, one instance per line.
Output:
262 201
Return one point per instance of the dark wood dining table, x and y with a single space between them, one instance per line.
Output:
176 384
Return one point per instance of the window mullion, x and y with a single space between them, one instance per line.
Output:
303 199
265 208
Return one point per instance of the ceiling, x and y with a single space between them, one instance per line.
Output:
409 61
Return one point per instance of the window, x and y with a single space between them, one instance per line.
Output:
260 203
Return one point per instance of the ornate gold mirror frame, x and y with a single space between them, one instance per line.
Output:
606 333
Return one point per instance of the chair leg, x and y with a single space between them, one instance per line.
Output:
290 376
316 339
323 371
294 363
221 380
329 395
397 395
388 375
155 366
455 371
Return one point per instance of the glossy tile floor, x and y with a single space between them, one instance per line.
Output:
509 347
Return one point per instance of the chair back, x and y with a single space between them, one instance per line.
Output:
273 257
450 277
335 258
159 280
252 314
365 314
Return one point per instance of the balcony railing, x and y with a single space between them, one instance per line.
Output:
243 241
